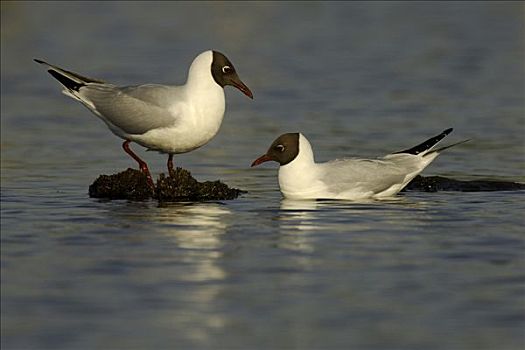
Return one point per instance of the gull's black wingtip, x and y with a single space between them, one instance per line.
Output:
38 61
427 145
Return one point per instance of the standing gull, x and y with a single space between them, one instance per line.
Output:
164 118
300 177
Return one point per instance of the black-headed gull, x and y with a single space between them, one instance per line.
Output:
300 177
168 119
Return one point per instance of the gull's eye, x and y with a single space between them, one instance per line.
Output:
279 148
227 69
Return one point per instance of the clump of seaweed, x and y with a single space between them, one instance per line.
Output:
440 183
180 186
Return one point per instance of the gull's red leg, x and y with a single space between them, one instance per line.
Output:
170 165
142 164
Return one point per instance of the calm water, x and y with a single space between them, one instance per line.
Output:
426 271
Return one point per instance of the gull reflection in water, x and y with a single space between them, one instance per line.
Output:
298 218
197 229
304 222
299 213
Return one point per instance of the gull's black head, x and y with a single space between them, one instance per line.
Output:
224 73
283 150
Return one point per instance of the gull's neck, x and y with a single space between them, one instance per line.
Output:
301 175
200 79
206 96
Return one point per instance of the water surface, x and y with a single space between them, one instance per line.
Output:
424 271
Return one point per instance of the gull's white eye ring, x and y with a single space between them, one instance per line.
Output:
226 69
280 148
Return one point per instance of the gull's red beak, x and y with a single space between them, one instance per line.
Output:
243 88
260 160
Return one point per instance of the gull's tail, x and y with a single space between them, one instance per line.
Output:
445 147
70 80
426 147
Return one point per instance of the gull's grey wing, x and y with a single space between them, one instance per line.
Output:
133 109
374 175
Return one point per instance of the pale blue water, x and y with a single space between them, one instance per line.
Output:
427 271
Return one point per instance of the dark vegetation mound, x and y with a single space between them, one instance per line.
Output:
439 183
133 185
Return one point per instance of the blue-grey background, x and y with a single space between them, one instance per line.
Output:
428 271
